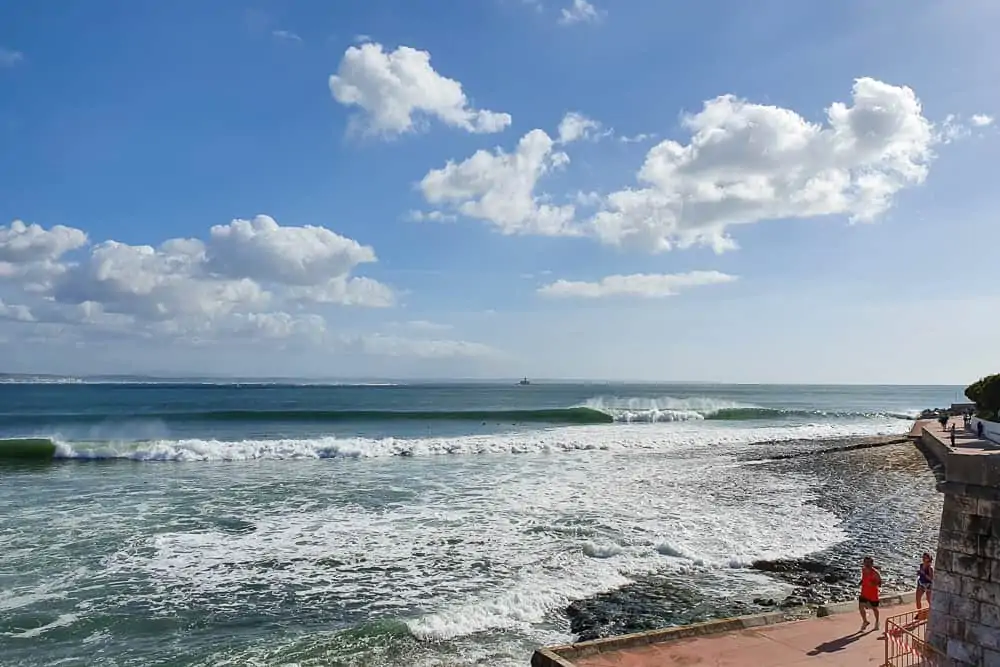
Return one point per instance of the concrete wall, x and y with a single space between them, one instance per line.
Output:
938 449
991 430
965 606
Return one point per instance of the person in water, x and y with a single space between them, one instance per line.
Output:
925 579
871 581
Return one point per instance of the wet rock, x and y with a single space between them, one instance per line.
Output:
791 565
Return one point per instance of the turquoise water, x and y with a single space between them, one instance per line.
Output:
206 524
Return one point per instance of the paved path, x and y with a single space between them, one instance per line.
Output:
833 640
966 442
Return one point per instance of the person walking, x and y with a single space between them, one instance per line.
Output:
925 580
871 581
951 432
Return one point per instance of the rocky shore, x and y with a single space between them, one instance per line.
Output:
881 489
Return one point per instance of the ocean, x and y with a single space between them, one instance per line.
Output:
416 524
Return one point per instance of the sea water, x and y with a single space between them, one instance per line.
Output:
411 524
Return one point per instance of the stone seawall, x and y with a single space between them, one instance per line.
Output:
965 608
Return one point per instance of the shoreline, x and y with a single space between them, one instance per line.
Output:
823 578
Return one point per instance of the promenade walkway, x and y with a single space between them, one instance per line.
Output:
966 442
822 642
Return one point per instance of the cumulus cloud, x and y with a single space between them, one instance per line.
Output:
499 187
394 90
155 284
981 120
21 243
646 285
748 162
247 281
264 250
346 291
580 11
575 126
232 282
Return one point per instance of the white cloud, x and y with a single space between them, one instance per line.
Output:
580 11
636 138
647 285
156 284
952 129
430 216
394 89
286 35
749 162
21 243
499 188
346 291
588 198
264 250
981 120
10 58
575 126
234 283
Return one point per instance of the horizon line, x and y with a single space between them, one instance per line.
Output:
279 379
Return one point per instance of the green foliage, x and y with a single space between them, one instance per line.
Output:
985 393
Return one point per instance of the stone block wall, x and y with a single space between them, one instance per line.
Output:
965 606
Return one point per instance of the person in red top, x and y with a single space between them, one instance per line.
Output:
871 580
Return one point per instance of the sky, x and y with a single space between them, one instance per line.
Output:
656 190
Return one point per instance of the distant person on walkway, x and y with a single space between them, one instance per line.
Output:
979 430
871 581
952 433
925 578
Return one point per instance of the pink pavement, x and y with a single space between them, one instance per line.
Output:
832 640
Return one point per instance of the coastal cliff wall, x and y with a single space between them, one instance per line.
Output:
965 607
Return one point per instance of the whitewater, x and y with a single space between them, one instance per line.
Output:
396 542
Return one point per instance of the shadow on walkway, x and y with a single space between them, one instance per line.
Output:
838 644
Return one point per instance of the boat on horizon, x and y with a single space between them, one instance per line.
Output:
524 381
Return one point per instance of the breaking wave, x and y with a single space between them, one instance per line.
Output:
668 409
565 439
601 410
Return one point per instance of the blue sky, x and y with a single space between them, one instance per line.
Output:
663 232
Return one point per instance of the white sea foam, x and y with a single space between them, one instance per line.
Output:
662 409
62 621
484 545
667 437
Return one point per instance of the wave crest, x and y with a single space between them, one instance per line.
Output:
565 439
669 409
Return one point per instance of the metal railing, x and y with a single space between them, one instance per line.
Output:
906 642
